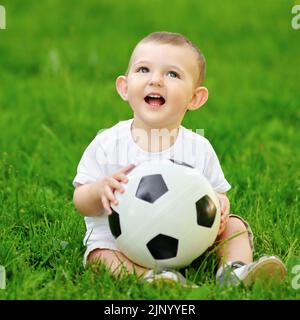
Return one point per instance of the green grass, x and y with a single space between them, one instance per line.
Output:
58 62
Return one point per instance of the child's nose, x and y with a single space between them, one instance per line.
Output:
156 79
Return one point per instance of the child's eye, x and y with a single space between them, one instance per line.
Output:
142 70
173 74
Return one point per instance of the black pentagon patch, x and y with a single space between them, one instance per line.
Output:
181 163
206 211
151 188
163 247
114 223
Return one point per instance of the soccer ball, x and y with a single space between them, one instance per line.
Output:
167 217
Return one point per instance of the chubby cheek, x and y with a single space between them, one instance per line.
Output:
135 91
178 102
182 95
135 101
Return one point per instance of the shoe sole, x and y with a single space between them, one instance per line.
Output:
161 280
266 270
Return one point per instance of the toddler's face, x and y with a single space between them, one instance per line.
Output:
160 84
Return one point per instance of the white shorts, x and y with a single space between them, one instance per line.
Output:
102 244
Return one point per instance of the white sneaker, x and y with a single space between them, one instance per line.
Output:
265 269
167 276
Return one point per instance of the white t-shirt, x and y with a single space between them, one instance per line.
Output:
115 148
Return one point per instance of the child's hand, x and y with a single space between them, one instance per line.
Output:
225 207
112 183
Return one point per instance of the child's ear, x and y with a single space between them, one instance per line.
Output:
121 86
199 97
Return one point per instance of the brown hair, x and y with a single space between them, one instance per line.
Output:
178 39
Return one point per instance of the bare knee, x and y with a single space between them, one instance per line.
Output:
236 225
103 255
116 261
235 242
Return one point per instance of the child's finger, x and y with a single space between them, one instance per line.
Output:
115 184
226 218
106 205
221 229
223 207
110 196
121 177
127 169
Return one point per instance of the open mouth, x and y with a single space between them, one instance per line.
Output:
155 100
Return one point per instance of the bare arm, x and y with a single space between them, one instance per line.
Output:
87 199
224 201
92 198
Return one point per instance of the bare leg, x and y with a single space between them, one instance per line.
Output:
119 264
115 261
238 248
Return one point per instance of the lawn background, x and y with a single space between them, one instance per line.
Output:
58 63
